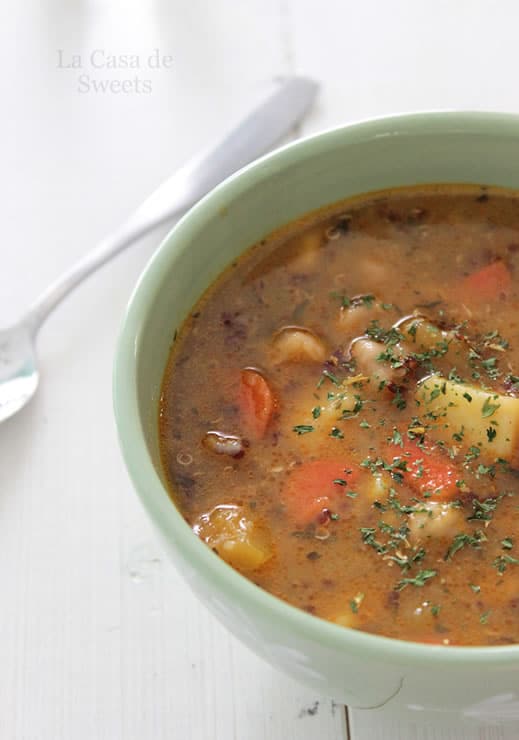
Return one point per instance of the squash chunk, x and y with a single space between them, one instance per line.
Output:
237 539
478 418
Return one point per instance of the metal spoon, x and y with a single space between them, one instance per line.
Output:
258 132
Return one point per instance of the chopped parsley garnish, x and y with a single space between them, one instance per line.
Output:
491 434
484 617
336 433
462 540
368 538
472 454
316 412
502 561
435 393
513 381
356 602
394 468
484 510
399 401
425 358
420 579
453 375
412 329
490 366
489 408
389 337
396 439
507 543
303 428
458 436
357 406
331 377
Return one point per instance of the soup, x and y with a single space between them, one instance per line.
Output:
339 417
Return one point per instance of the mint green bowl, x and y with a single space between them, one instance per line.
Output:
361 670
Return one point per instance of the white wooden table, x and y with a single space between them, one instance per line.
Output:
99 637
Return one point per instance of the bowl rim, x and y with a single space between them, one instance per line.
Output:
153 494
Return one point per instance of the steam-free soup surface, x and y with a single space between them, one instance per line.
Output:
340 415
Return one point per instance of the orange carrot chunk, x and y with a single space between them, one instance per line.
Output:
256 401
315 488
487 284
428 472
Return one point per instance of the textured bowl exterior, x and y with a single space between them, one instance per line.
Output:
361 670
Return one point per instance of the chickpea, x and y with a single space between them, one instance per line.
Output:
298 344
440 520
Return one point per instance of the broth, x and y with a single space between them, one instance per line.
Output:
340 415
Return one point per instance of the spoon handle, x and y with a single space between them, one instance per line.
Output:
282 109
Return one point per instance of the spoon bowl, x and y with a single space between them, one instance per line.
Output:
18 372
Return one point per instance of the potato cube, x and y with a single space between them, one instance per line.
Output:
238 540
479 418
